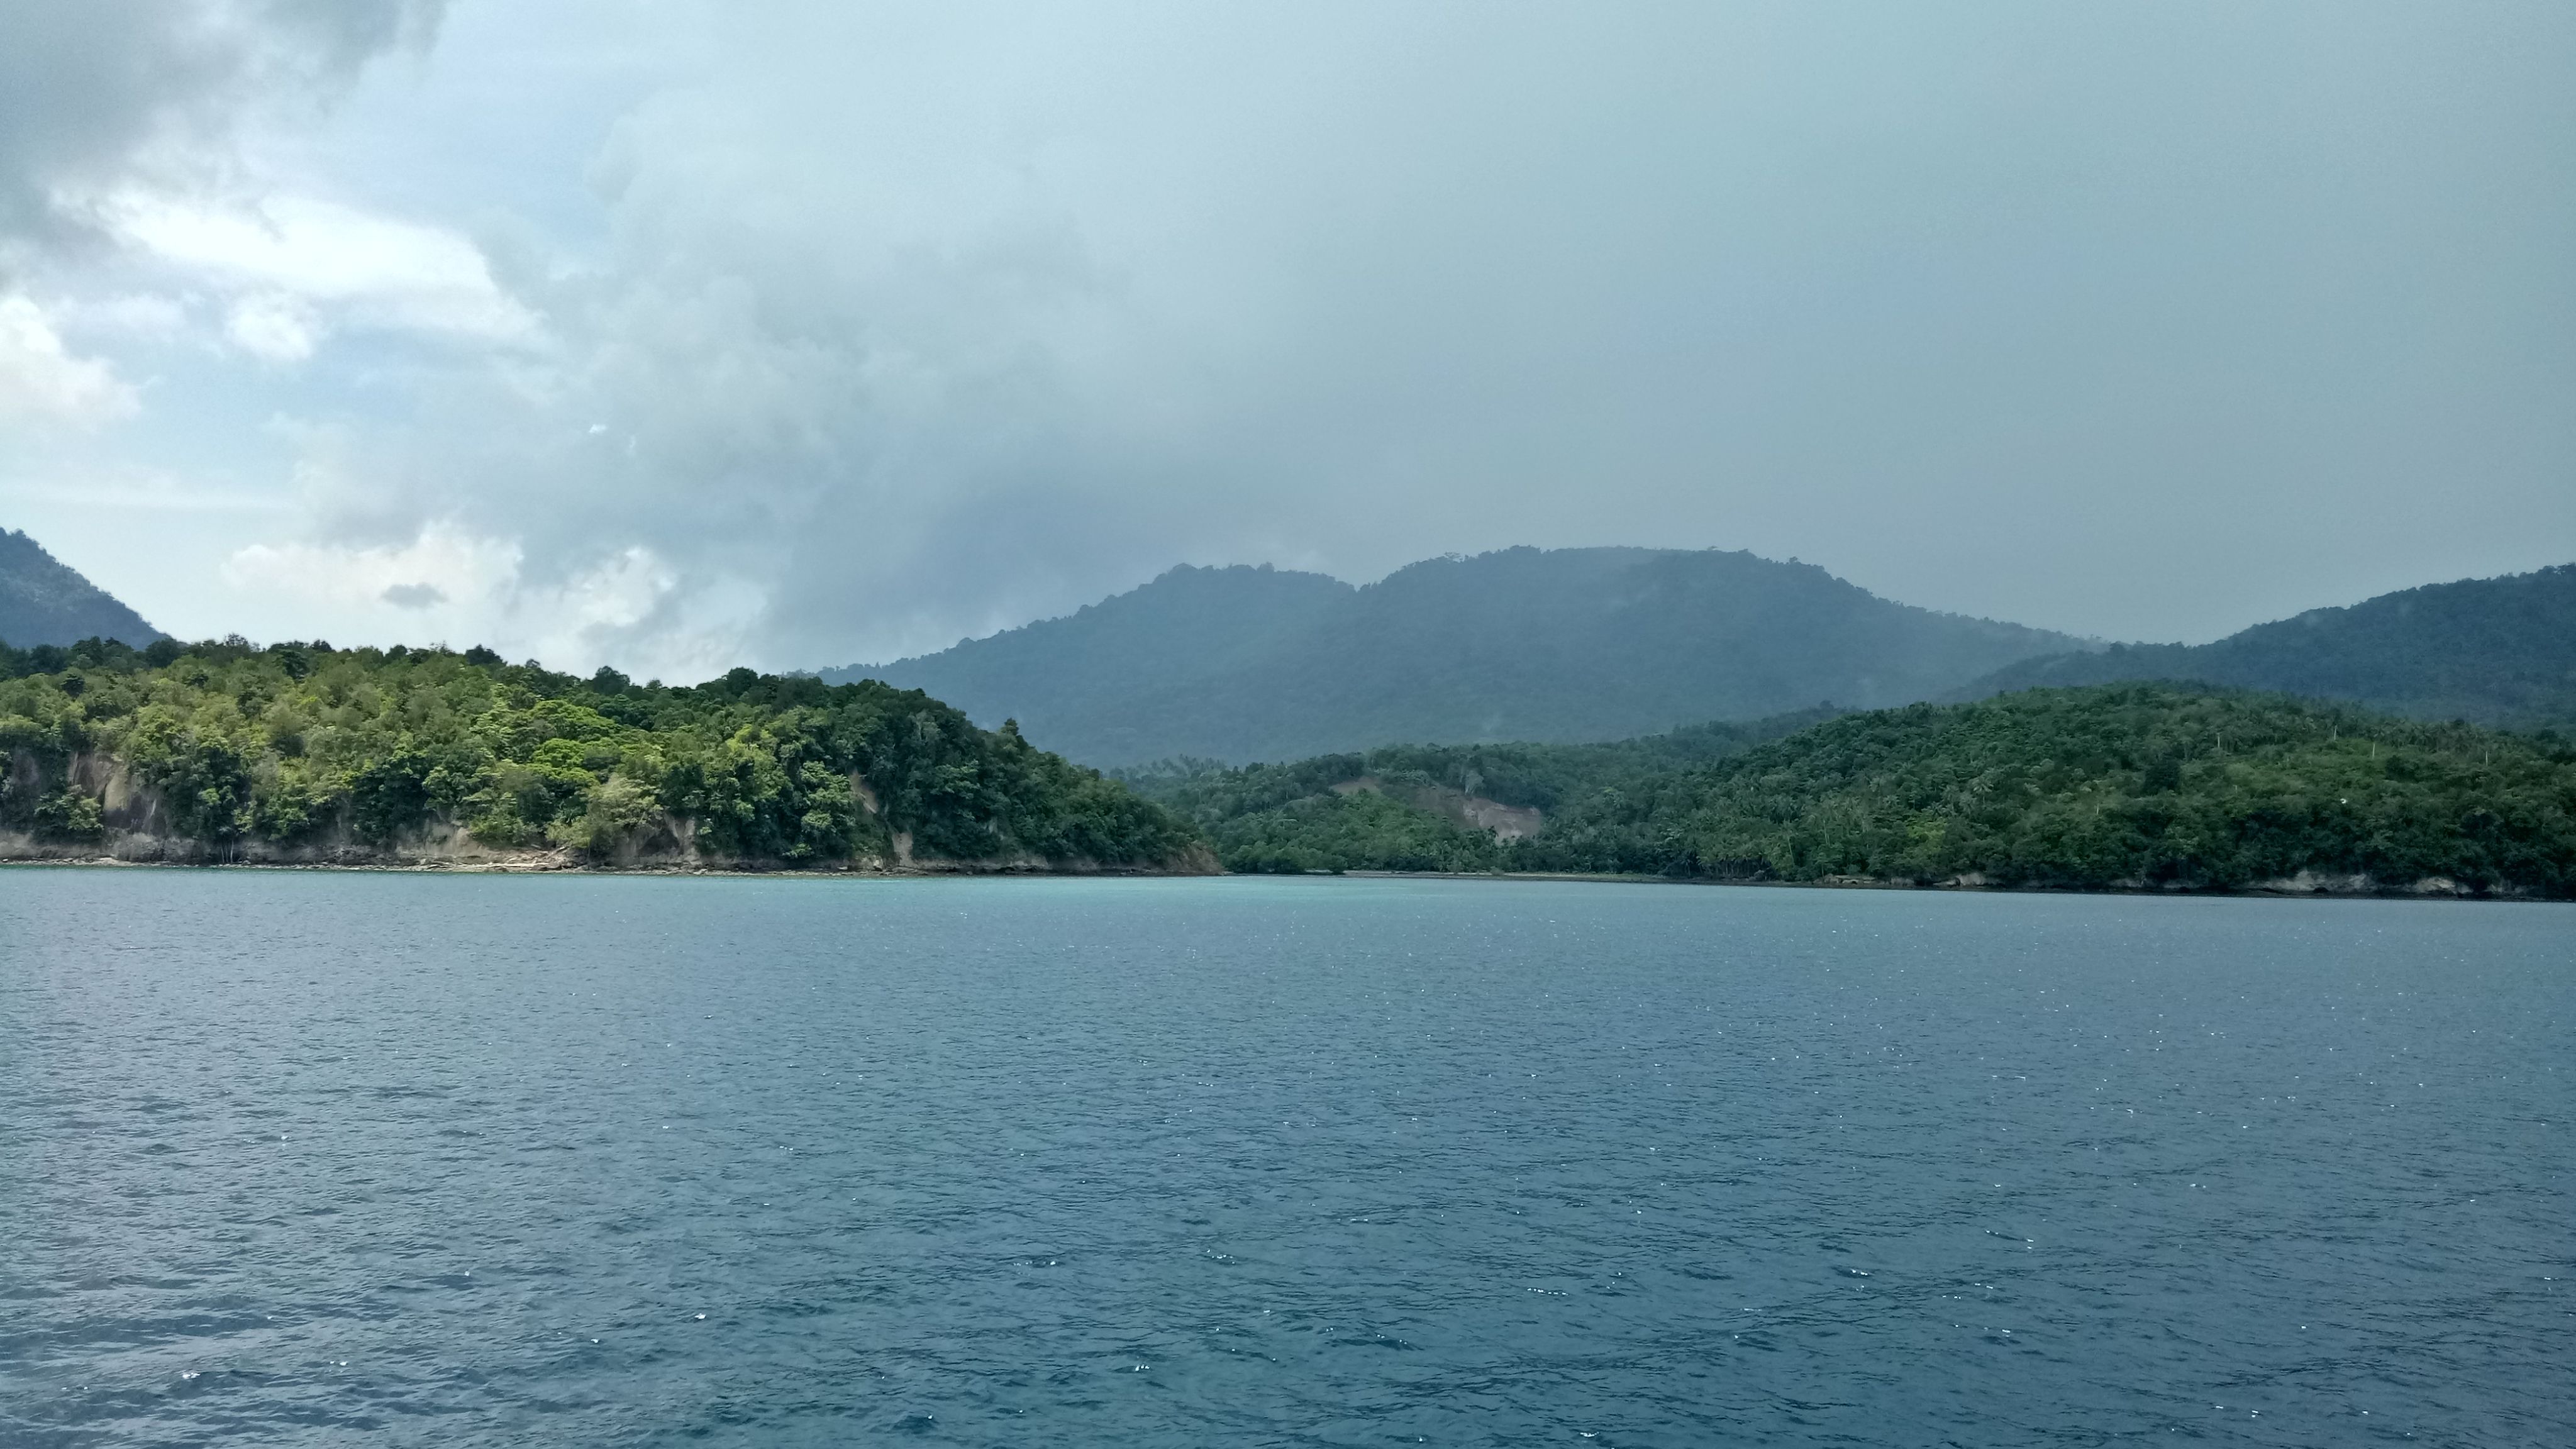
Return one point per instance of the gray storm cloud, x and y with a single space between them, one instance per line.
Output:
874 326
92 91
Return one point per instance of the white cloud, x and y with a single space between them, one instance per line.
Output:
458 564
273 327
40 378
450 584
291 251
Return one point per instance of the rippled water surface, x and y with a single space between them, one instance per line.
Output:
301 1158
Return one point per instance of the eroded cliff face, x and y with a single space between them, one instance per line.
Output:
1475 812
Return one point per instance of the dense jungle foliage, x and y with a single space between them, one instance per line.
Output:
1362 830
2107 786
294 741
1286 817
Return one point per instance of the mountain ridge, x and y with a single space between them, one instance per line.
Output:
1566 645
46 601
2497 651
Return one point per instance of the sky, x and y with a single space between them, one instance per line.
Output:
680 335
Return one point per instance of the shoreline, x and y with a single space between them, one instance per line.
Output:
2280 890
916 870
2294 888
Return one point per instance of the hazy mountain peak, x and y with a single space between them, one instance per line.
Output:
44 601
1523 643
2498 651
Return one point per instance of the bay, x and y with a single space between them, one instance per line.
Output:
307 1158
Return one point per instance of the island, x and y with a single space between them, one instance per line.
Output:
301 754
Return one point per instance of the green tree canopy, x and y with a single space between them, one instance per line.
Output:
294 740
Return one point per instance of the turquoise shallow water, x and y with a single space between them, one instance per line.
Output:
307 1159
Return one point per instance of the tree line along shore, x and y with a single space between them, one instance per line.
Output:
298 753
301 753
2113 787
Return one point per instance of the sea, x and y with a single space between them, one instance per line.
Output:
327 1158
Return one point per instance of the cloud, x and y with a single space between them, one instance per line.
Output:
94 94
414 596
40 379
291 256
449 583
461 564
272 327
889 396
828 332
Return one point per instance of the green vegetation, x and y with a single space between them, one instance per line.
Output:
295 744
2115 786
1362 830
1288 817
2142 785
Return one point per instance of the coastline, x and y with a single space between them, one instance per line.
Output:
916 870
2304 887
450 851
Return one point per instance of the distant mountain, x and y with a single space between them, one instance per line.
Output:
43 602
2498 652
1241 664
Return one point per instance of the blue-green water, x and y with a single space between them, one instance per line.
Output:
304 1158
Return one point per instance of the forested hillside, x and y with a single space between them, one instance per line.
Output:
2497 652
1555 646
44 602
301 751
1422 807
2124 786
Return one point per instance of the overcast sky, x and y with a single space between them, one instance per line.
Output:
676 335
